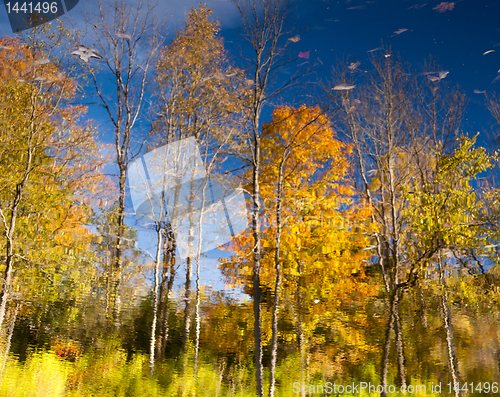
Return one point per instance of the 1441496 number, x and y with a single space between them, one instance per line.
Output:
481 387
40 8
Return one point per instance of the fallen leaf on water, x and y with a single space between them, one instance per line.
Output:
354 65
443 74
400 31
343 87
444 6
417 6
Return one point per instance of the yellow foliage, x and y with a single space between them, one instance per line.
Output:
321 240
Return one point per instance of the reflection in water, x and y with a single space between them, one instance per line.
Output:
316 345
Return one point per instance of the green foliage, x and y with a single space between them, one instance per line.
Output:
445 212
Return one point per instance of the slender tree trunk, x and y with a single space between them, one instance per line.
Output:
218 387
450 339
167 304
198 255
7 278
9 235
399 344
393 324
300 331
109 281
264 23
187 309
387 347
450 342
277 266
163 300
172 250
259 373
197 317
116 298
9 339
167 282
155 301
189 269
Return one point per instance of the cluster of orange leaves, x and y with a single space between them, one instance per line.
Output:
323 227
66 350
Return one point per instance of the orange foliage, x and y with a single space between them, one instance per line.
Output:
322 238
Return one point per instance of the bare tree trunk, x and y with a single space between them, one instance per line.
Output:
393 324
108 271
399 345
166 286
197 317
450 342
172 260
7 278
198 255
189 270
116 275
450 339
277 266
222 367
264 23
10 227
9 339
162 299
155 301
167 303
301 340
259 376
387 348
187 308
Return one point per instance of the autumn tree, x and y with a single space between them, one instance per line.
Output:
295 146
445 225
313 255
200 95
387 132
49 162
402 128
